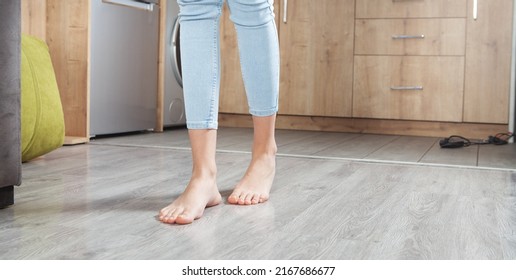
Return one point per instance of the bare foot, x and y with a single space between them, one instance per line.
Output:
256 184
189 206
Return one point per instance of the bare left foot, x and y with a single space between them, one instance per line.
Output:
256 184
189 206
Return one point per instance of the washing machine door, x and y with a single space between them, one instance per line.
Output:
174 108
175 51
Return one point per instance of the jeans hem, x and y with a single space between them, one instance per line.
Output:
263 113
202 125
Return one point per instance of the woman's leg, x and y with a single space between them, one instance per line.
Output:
200 61
201 191
256 184
259 57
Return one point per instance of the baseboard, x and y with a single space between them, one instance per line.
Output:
372 126
6 196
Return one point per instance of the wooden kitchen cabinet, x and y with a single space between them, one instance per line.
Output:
488 62
453 48
232 97
410 67
384 87
410 8
316 46
442 37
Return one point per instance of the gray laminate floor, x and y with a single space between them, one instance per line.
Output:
336 196
350 146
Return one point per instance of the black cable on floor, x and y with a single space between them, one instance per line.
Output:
457 141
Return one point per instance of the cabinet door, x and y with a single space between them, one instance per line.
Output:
488 62
67 37
316 39
435 36
34 18
232 93
409 87
411 8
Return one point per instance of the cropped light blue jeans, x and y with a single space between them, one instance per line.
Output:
200 56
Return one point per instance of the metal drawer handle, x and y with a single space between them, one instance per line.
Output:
407 88
400 37
131 4
395 1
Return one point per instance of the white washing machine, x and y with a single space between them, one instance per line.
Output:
174 108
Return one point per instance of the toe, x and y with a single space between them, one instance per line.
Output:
263 198
248 199
171 216
234 197
164 212
185 218
255 199
241 199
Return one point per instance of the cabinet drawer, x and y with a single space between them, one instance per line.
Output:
410 36
410 8
409 88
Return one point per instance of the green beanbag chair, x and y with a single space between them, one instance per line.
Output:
42 121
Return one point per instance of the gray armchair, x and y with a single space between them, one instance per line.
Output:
10 155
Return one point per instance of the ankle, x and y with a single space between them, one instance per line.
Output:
204 173
264 156
266 150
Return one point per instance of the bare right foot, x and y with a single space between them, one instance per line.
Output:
256 184
189 206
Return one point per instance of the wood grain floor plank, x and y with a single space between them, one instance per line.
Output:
433 226
464 182
503 156
290 201
314 143
325 222
168 138
461 156
359 147
509 247
506 217
257 222
21 244
405 148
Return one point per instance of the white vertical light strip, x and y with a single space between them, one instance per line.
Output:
512 102
285 7
475 9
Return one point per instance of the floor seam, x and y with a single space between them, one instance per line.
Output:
428 150
382 146
362 160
